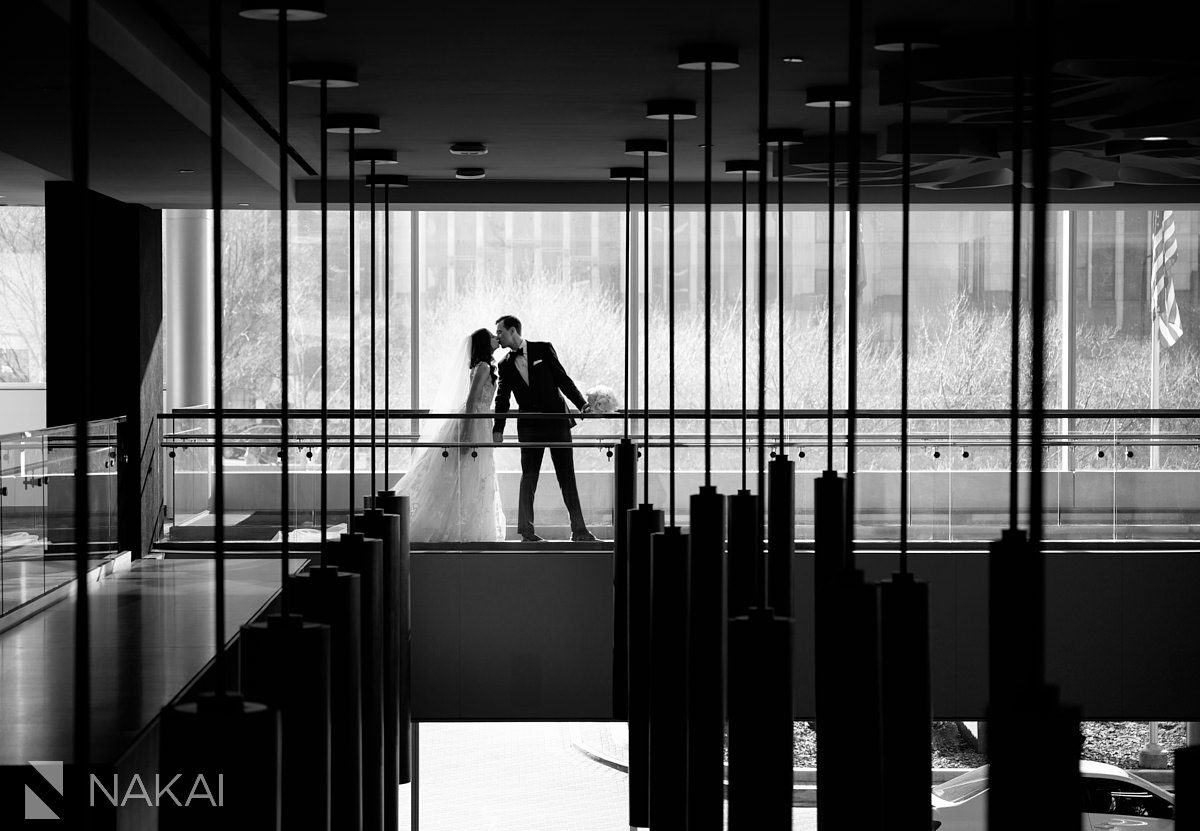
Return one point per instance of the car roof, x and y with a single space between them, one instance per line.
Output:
1089 768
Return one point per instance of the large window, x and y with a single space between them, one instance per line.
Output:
22 295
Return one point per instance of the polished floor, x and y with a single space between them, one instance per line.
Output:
152 632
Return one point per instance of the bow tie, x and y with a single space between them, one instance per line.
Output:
520 351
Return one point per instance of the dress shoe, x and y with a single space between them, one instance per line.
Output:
531 538
583 536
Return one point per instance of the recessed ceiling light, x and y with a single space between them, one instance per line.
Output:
243 204
793 59
468 148
187 170
1156 138
469 173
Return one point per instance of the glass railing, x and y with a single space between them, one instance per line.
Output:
1107 475
37 508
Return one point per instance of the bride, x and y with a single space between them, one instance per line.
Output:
453 495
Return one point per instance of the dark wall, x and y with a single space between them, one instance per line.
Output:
529 636
122 343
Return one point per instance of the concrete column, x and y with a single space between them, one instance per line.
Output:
189 290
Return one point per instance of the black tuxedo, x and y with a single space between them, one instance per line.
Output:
548 381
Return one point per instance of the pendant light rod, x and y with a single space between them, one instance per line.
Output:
906 42
374 479
386 181
628 174
324 76
831 276
352 303
744 167
284 422
853 137
745 301
215 125
708 142
708 59
671 313
671 110
387 335
646 148
1018 168
351 124
324 318
764 35
905 218
781 137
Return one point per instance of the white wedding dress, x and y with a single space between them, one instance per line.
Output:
455 497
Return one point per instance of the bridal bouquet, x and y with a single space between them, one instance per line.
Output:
602 399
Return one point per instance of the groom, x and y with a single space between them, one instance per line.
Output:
532 372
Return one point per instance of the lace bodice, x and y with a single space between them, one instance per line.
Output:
483 389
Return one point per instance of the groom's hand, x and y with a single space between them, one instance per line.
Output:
497 436
587 408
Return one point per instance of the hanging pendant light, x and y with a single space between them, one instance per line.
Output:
324 594
390 521
905 707
355 552
286 659
668 556
706 609
1023 707
296 12
643 522
624 484
222 730
760 642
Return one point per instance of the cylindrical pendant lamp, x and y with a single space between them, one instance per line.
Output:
624 485
643 523
706 610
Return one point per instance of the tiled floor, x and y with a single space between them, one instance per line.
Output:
528 776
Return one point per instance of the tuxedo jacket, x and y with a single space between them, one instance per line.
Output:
548 382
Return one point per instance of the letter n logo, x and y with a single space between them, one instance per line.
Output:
50 773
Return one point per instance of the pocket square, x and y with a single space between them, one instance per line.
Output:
538 361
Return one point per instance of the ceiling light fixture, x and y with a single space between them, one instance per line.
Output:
824 97
650 147
1156 138
470 173
708 56
333 75
187 170
346 123
792 59
896 38
243 204
468 148
671 109
373 155
306 10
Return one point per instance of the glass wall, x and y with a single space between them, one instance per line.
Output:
562 273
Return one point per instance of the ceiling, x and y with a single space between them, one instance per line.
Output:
555 89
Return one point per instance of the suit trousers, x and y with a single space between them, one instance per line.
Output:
564 469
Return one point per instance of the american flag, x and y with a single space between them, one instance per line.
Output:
1163 307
